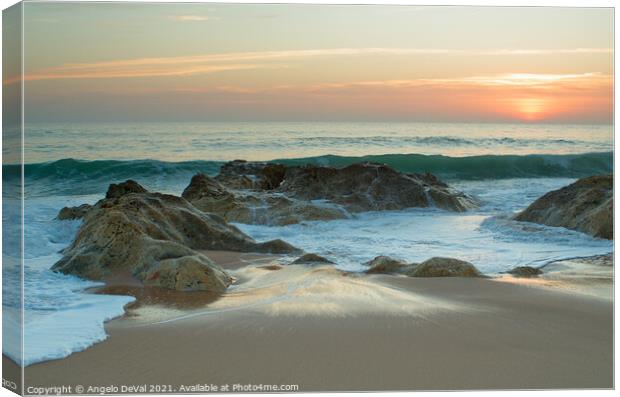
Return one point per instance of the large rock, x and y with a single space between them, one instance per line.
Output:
444 267
252 207
275 194
371 187
241 174
156 234
586 206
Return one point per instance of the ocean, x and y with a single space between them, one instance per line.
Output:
505 166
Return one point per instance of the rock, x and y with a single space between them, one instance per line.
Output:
275 194
151 232
371 187
525 271
70 213
240 174
276 246
188 273
385 265
121 189
585 206
209 195
271 267
310 259
444 267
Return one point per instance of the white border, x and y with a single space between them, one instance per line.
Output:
528 3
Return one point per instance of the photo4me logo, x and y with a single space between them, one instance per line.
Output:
9 384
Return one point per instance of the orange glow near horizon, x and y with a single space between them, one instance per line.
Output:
531 109
204 82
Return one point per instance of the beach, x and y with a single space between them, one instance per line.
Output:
99 311
437 334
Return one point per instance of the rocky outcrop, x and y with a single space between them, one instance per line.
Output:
70 213
585 206
251 207
371 187
311 259
241 174
158 237
274 194
444 267
525 271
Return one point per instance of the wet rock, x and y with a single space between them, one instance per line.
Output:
70 213
121 189
275 194
585 206
525 271
149 232
209 195
276 246
385 265
371 187
241 174
444 267
188 273
311 259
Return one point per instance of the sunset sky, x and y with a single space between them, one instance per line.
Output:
183 62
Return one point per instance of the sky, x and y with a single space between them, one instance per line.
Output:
240 62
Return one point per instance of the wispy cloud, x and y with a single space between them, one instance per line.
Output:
120 72
193 18
211 63
524 80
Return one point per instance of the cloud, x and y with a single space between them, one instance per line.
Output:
524 80
193 18
210 63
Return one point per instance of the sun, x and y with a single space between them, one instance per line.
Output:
531 108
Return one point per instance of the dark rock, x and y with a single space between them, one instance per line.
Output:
371 187
276 246
525 271
70 213
209 195
586 206
121 189
275 194
310 259
444 267
240 174
385 265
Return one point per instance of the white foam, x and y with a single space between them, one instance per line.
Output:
71 328
300 290
486 237
59 317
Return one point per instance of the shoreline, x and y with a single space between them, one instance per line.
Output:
439 334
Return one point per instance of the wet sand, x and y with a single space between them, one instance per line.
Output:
324 330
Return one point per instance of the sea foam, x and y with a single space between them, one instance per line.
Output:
487 237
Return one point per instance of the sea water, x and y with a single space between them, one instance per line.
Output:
504 166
